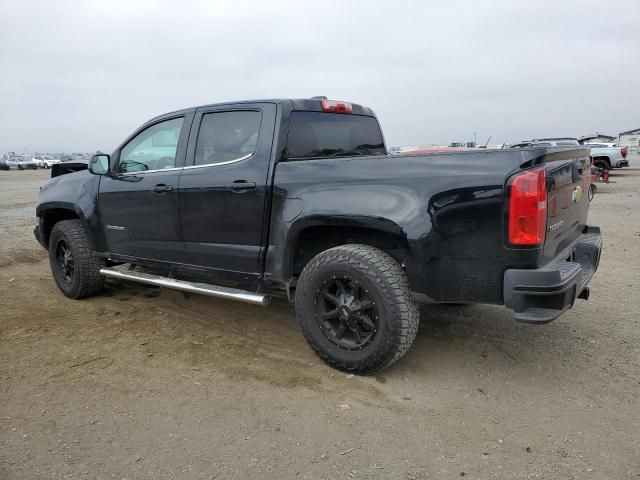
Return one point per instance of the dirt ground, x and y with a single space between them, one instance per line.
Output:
149 383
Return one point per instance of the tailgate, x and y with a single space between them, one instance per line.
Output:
568 179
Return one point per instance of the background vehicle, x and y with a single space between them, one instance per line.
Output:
46 161
608 155
13 163
299 198
20 163
37 159
548 142
27 163
604 155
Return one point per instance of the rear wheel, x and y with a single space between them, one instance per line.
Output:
592 191
75 268
355 308
603 164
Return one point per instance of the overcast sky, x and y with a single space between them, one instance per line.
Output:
81 75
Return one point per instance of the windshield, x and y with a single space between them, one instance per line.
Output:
321 135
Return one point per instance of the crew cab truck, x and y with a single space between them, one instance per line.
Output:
299 198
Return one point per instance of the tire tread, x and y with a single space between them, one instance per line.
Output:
86 264
385 271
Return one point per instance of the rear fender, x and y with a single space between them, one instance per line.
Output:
349 209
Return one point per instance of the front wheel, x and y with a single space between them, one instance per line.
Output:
355 308
592 191
75 267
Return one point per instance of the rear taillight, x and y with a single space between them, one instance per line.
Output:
528 208
624 151
336 107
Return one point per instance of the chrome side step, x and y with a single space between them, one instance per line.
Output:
202 288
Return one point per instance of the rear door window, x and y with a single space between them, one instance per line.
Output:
322 135
227 136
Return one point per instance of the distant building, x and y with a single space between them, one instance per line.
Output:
630 139
597 138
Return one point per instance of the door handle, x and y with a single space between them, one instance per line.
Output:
241 186
161 188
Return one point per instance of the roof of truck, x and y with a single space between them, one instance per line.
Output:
307 104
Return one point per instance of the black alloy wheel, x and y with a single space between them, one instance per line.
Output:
75 267
355 308
346 313
64 260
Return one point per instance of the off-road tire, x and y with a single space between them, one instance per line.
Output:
86 279
385 280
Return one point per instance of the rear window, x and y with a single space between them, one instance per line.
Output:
322 135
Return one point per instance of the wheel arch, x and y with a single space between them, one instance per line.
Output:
309 237
602 158
53 213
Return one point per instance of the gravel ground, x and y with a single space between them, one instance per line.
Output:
149 383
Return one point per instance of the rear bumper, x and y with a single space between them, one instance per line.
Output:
622 163
543 294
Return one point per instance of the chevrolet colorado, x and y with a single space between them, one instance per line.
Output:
299 198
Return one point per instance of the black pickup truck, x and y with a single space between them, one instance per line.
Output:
299 198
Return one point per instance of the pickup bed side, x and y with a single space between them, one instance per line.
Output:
439 215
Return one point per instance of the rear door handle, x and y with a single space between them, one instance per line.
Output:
241 186
161 188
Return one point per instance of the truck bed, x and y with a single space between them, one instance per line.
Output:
443 211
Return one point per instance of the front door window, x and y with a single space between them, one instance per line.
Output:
152 149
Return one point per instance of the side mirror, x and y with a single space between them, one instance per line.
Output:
99 164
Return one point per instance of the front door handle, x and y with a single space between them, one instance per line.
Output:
240 186
161 188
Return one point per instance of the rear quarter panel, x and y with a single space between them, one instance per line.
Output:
446 210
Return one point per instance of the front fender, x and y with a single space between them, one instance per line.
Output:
77 193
